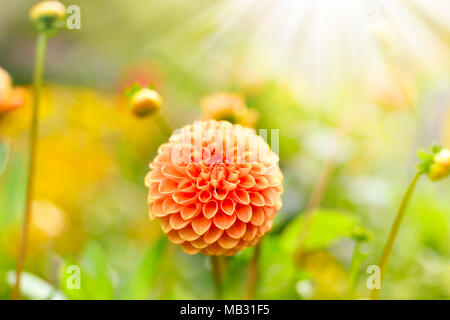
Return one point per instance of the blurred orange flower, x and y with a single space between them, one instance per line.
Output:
222 196
228 106
10 97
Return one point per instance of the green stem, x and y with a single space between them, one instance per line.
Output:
354 270
34 130
163 126
218 275
394 230
253 273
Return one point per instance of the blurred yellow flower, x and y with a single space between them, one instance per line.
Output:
329 277
47 220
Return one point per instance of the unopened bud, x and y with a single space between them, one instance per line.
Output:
441 165
145 102
48 15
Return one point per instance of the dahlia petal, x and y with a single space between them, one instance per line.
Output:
247 182
256 199
199 243
269 212
184 198
165 224
203 184
153 192
273 180
204 196
174 236
220 194
228 206
155 176
244 169
267 195
186 186
223 221
250 233
188 234
189 248
229 185
192 171
200 224
241 196
227 242
157 208
170 172
244 213
214 250
177 222
213 234
167 186
257 216
237 230
261 183
210 209
170 206
190 211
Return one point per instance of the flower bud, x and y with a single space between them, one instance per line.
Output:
48 15
145 102
441 165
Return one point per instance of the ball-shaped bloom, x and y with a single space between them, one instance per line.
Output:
215 187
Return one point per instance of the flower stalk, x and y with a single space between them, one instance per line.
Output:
393 233
34 131
253 273
217 268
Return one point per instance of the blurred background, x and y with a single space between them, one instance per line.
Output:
359 84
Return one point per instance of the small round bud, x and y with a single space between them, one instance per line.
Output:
145 102
441 165
48 15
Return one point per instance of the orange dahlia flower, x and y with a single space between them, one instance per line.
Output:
215 187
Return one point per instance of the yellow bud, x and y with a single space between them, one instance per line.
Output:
145 101
441 166
49 13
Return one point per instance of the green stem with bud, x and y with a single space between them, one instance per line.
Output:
394 230
34 131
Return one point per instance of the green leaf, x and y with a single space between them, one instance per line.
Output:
4 155
146 273
325 228
95 280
